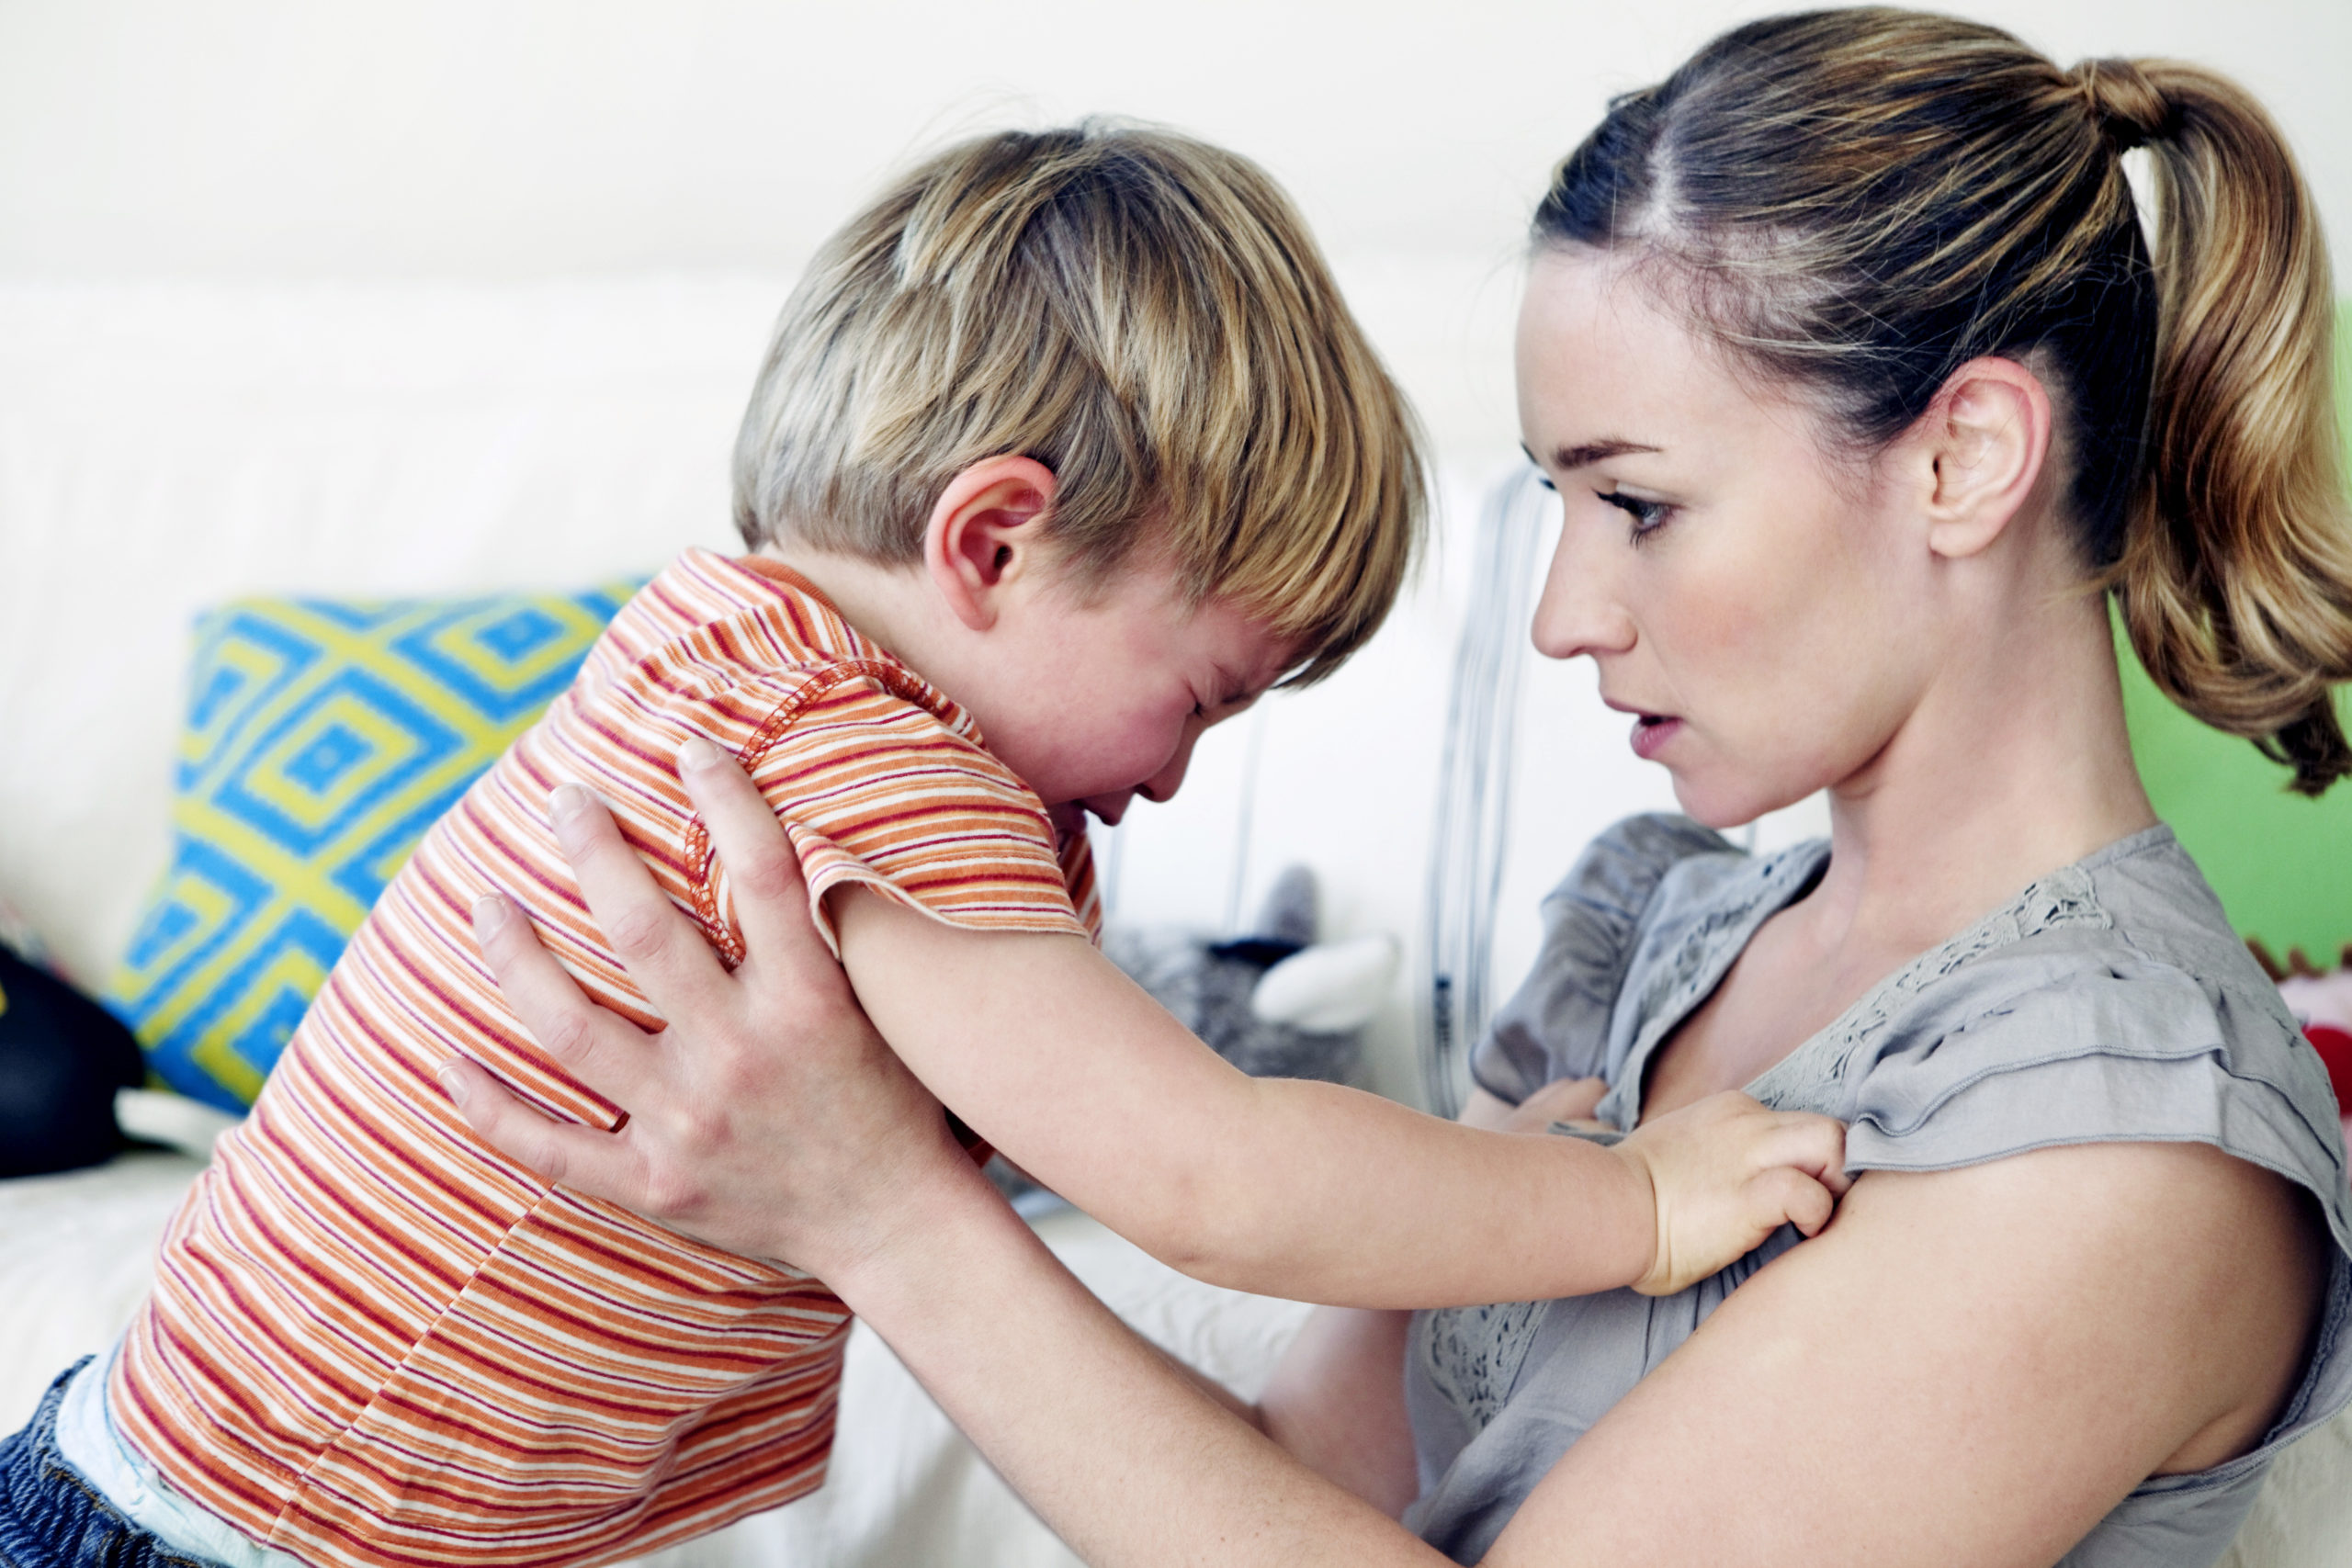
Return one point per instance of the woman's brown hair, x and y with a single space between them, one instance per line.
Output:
1864 201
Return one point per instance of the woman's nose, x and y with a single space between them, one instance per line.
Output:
1580 611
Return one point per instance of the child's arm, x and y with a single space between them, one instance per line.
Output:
1298 1188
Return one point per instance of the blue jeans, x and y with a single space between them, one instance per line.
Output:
51 1517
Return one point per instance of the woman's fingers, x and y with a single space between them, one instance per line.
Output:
561 1151
664 953
1562 1099
771 895
595 1045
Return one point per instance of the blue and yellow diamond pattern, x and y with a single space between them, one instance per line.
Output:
323 739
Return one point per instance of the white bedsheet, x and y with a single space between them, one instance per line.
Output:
76 1254
906 1490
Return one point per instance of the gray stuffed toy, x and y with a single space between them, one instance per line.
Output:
1275 1003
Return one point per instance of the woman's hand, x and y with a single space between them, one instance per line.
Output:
1568 1102
768 1117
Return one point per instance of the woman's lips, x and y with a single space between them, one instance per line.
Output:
1651 733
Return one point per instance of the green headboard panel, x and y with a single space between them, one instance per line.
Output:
2283 865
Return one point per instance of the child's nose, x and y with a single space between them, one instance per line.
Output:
1109 808
1163 785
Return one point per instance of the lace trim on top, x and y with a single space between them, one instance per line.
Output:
2064 897
1473 1354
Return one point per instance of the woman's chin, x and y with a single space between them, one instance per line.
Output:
1722 804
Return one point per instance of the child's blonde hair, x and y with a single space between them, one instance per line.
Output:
1139 312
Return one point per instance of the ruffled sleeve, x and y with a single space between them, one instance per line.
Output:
2133 1050
1557 1024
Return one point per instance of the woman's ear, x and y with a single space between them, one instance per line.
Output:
987 531
1988 437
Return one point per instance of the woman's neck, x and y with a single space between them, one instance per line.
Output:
2016 765
1992 781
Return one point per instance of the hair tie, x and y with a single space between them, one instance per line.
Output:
2129 108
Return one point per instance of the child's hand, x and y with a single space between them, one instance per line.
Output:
1726 1173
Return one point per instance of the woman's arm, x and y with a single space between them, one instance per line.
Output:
833 1154
1127 1460
1967 1367
1116 1447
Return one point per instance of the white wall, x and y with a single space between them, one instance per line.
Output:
524 138
459 423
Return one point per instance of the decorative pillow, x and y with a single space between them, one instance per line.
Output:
323 739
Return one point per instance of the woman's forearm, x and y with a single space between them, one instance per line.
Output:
1116 1449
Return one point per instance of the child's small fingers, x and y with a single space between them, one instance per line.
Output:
1814 1145
1795 1197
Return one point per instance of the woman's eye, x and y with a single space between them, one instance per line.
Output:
1648 515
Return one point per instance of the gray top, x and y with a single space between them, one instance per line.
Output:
2106 1002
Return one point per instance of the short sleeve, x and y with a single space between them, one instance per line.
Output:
2138 1052
877 789
1557 1024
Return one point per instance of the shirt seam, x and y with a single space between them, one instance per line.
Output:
695 841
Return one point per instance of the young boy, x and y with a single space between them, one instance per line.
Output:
1065 450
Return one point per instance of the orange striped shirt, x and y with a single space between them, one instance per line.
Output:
375 1341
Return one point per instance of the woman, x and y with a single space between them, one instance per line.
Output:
1845 352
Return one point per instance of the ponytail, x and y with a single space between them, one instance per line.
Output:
2235 580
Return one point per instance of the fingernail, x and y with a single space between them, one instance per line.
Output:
698 754
566 801
489 913
453 1084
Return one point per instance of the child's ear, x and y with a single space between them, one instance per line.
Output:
1987 437
986 532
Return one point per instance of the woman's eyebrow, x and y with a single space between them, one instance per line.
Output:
1591 451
